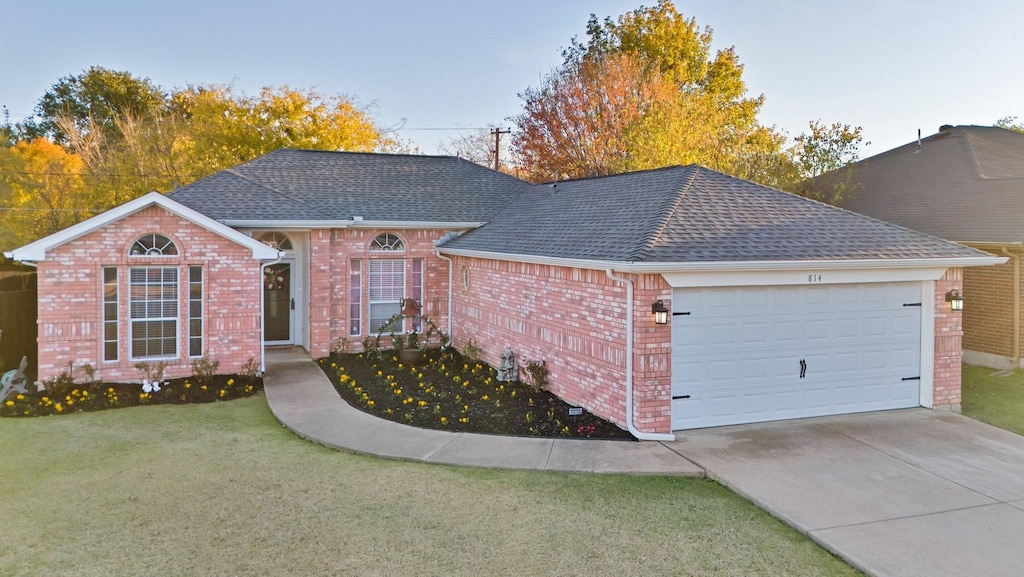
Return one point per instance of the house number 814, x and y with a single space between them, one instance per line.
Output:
814 278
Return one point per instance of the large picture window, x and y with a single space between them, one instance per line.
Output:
387 289
153 303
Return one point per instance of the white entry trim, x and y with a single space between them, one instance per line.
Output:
927 344
821 276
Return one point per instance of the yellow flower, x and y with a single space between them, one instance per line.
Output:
222 392
203 387
20 397
188 385
143 395
85 394
111 389
380 373
444 420
485 398
10 403
70 402
423 403
231 382
58 407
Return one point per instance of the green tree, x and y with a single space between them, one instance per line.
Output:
93 101
41 191
824 158
643 91
1010 123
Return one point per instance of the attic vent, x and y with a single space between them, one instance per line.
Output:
945 127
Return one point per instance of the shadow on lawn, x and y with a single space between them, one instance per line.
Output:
449 393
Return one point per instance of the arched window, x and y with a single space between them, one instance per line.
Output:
387 242
275 239
153 245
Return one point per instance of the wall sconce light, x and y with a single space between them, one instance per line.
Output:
955 300
660 312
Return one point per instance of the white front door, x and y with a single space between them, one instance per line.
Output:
751 354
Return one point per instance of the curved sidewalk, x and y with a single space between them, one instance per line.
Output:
304 400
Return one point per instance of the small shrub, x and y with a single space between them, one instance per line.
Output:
203 369
370 345
538 372
62 383
397 342
152 373
471 351
250 370
90 371
341 345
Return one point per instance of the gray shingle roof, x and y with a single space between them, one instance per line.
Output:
319 185
691 214
966 183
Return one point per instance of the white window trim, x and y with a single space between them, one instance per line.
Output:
176 319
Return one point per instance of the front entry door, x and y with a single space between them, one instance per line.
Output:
278 303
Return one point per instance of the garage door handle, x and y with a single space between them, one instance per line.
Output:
680 397
803 368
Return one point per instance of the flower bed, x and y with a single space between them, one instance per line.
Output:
76 397
447 392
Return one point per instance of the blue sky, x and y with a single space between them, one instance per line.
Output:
890 66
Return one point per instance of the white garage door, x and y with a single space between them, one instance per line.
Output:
751 354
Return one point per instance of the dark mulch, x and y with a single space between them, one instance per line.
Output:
447 392
78 397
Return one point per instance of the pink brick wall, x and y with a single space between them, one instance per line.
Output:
948 338
70 288
331 251
574 320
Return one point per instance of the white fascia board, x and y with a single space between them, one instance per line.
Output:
36 251
321 224
730 266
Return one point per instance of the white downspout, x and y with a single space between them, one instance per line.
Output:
451 265
629 366
263 341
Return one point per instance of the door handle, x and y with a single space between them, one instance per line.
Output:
293 303
803 368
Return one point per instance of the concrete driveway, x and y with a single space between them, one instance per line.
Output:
901 493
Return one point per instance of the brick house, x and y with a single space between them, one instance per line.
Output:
965 184
771 306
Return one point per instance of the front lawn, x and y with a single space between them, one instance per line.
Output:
450 393
222 489
996 400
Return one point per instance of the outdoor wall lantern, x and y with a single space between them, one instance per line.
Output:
660 312
955 300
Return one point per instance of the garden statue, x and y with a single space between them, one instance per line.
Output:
507 370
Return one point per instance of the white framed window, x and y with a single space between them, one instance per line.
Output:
387 242
355 297
195 311
275 239
153 308
387 289
110 313
153 245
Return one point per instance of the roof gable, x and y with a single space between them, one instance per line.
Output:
36 251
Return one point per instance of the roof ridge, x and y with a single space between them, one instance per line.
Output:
647 246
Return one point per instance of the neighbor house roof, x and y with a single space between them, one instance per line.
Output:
310 185
691 214
964 183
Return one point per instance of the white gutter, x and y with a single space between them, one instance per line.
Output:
263 313
629 366
352 223
766 265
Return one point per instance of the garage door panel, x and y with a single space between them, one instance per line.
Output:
742 363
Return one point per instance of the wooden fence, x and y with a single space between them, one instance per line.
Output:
18 321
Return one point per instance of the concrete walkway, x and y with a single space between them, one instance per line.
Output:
304 400
897 493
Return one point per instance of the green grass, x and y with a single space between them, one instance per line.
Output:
222 489
998 401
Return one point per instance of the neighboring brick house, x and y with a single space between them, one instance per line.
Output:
774 306
965 184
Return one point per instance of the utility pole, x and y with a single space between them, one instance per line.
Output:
497 132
